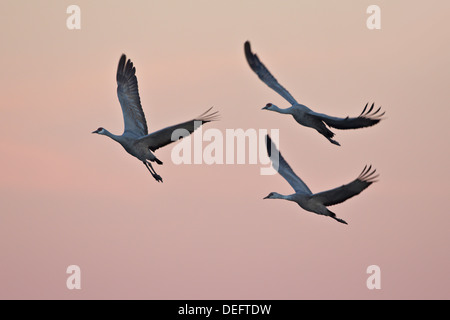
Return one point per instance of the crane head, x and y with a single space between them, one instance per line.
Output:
268 107
273 195
99 131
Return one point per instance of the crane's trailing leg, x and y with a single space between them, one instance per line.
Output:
153 172
339 220
333 215
327 133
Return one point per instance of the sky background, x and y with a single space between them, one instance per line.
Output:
70 197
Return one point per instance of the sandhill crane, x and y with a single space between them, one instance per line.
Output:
316 202
135 138
301 113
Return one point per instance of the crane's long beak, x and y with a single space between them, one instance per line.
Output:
96 131
267 197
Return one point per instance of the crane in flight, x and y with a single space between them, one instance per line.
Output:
304 115
135 139
316 202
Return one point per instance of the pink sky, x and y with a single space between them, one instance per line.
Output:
70 197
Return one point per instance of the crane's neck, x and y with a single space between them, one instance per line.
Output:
280 110
112 136
281 196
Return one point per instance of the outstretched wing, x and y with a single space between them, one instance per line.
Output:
284 169
168 135
264 74
342 193
365 119
128 93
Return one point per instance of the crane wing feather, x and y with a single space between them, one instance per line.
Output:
284 169
264 74
166 136
367 118
346 191
128 94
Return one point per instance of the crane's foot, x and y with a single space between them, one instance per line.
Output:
157 177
